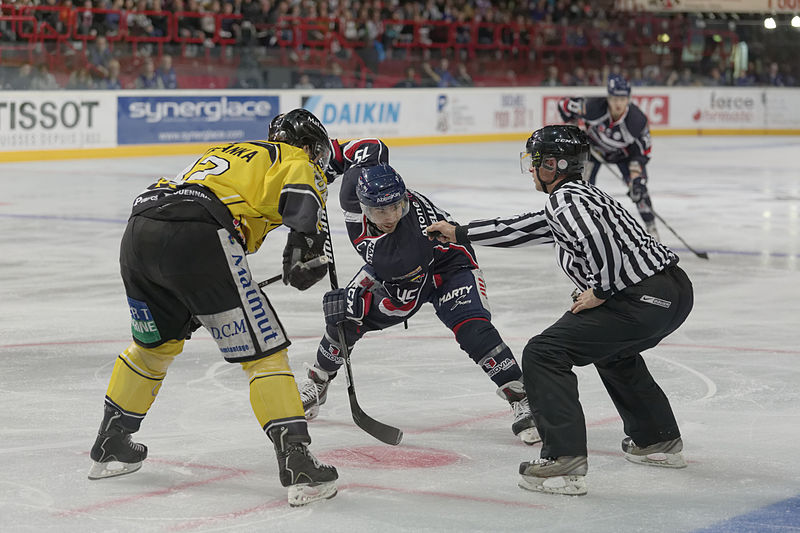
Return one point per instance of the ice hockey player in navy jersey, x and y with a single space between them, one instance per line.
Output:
386 223
619 135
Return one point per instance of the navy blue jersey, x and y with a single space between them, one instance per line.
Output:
627 139
405 261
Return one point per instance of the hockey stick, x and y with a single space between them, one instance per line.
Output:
701 255
379 430
314 263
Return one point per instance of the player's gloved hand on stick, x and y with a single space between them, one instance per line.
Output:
636 190
349 303
301 248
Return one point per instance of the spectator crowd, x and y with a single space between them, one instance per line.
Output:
117 44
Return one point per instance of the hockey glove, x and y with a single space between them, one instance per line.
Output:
300 248
637 190
571 109
350 303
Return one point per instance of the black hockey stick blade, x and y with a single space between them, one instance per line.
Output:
383 432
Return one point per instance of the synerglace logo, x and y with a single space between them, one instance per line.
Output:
207 109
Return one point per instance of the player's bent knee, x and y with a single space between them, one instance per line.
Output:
138 374
277 362
273 389
477 337
533 353
154 360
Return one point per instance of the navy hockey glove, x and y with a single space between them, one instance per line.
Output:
350 303
300 248
637 190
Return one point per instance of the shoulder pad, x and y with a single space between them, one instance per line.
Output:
636 119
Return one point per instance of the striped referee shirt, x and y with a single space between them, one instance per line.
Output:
598 243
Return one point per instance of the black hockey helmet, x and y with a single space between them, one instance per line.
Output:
568 144
301 128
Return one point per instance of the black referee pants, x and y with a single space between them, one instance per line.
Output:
612 337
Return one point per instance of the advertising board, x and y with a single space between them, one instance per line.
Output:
654 106
190 119
31 120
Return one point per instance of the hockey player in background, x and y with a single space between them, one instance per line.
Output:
183 259
630 294
619 135
404 270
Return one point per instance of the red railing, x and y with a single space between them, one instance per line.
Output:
530 44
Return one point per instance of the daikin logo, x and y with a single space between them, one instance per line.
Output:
354 112
155 110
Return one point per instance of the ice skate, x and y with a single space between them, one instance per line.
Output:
523 426
561 475
666 453
307 479
114 453
314 390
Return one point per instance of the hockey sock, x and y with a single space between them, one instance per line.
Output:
137 377
329 357
482 342
273 394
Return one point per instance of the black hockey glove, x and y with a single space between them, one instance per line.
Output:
637 190
350 303
300 248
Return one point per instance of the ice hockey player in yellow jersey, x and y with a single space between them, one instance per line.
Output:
183 262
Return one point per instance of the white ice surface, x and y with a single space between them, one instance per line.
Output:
732 371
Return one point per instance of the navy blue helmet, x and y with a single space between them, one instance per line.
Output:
381 189
618 86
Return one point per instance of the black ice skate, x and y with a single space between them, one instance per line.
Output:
308 480
314 390
114 453
555 475
523 426
666 453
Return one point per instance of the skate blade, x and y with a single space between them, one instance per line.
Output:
665 460
568 485
529 436
112 469
305 493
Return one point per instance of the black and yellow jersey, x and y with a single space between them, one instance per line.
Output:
263 184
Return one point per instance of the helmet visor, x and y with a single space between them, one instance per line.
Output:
387 215
525 162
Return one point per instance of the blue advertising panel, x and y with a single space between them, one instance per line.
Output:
190 119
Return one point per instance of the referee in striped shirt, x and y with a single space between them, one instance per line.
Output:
630 294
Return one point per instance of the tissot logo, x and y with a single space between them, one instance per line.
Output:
27 114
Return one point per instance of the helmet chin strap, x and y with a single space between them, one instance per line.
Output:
545 184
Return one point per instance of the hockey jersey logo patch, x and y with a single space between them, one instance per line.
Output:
492 367
143 326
